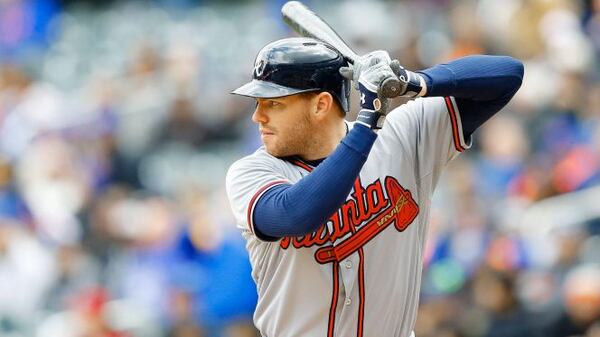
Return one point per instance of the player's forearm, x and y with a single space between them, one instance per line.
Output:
477 77
481 84
301 208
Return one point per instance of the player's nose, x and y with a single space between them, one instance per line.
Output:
259 115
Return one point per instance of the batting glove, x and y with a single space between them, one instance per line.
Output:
374 107
354 71
411 84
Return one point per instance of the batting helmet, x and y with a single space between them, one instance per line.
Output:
295 65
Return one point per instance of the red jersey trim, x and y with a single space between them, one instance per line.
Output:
254 199
334 300
301 164
361 288
361 292
456 128
335 272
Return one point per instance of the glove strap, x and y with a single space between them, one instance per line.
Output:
368 96
414 83
371 119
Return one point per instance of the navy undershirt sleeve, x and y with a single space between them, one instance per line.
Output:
301 208
481 84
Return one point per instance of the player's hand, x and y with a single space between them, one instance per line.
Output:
373 105
353 71
410 84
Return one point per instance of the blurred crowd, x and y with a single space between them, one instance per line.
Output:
116 130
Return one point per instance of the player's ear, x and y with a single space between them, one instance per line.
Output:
323 104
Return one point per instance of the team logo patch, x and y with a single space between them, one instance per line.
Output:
259 67
367 213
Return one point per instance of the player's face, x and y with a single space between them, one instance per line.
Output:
285 125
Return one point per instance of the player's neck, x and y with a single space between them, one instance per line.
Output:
327 141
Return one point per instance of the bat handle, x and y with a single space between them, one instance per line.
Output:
390 87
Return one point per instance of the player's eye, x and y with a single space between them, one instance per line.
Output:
269 104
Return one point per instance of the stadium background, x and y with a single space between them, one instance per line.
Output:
116 130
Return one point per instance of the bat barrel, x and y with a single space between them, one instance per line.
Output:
306 23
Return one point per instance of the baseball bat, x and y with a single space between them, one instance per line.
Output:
308 24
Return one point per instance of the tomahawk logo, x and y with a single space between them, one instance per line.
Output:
367 212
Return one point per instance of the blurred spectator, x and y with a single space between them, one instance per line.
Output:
182 125
29 109
144 228
24 26
12 205
27 271
594 330
88 316
76 272
213 274
495 293
500 162
56 188
90 307
141 108
581 296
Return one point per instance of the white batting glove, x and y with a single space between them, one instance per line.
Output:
411 84
354 71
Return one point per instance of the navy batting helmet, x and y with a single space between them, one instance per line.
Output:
295 65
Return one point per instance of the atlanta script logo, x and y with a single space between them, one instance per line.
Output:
367 213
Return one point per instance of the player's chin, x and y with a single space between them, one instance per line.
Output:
271 147
268 141
275 150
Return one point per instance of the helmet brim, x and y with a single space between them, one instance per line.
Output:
264 89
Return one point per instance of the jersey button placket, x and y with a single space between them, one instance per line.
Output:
348 264
348 301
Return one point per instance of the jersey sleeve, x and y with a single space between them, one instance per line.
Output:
432 127
247 180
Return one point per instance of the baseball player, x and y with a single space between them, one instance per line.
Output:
335 212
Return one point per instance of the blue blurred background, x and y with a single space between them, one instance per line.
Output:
116 130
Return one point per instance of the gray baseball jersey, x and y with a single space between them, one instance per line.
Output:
360 273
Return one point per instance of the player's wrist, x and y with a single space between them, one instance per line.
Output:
423 85
371 119
372 112
360 138
414 83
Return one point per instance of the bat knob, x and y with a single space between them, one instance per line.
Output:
391 87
